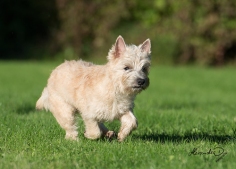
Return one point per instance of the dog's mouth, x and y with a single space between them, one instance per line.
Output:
138 87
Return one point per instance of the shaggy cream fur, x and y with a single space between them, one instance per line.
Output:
98 92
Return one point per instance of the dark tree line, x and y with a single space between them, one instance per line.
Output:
203 31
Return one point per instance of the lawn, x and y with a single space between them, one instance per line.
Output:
187 119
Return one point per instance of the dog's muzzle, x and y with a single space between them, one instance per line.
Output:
141 84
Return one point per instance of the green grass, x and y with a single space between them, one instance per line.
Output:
184 108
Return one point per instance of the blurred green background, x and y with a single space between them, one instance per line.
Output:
182 32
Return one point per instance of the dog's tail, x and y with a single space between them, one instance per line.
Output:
42 102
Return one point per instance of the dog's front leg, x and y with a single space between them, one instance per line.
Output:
128 123
92 130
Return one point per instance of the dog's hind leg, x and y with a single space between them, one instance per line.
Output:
65 116
105 132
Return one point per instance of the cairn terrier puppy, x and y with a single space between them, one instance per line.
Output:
98 93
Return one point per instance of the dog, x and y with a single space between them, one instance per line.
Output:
98 93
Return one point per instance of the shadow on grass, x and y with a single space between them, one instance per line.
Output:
186 138
25 109
177 106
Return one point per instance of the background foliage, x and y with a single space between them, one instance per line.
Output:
184 31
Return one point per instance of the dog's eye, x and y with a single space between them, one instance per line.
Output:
126 68
144 69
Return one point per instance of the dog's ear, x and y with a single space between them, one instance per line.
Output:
146 46
120 47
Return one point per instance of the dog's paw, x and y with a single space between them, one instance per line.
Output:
110 135
120 137
71 137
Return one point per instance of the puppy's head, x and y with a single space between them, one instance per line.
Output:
130 65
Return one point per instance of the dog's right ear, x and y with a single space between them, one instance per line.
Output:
118 49
119 46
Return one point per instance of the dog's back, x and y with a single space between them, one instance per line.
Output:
61 75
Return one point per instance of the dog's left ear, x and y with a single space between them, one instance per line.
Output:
146 46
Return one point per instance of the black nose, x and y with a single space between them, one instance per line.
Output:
140 81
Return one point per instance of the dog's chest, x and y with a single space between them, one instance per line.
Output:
122 105
119 107
108 111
